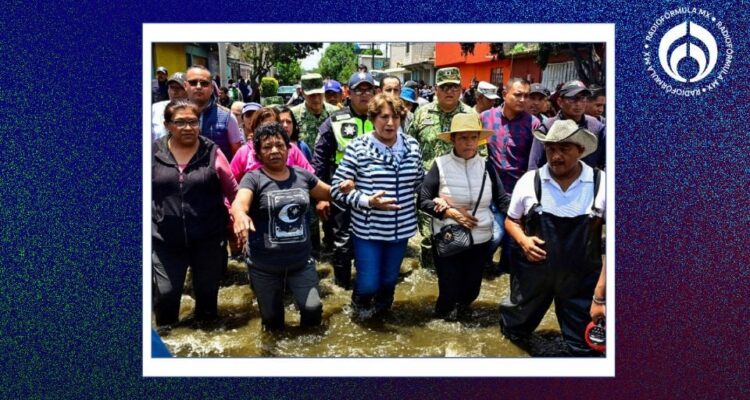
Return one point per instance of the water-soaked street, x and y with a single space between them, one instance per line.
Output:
409 331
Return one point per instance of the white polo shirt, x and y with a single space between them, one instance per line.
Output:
571 203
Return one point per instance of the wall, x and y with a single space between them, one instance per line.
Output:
170 56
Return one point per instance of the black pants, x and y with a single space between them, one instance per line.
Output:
459 277
534 289
169 267
269 290
343 252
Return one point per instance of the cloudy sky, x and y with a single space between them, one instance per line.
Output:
313 59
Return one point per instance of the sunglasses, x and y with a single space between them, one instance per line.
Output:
195 82
449 88
361 92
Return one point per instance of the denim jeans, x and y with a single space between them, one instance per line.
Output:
378 264
498 230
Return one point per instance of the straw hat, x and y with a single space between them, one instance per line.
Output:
466 122
567 130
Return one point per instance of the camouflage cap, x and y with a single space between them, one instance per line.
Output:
448 75
312 84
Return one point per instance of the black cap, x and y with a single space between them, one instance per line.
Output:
573 88
539 88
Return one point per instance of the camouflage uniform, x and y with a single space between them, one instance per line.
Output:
429 121
308 125
307 121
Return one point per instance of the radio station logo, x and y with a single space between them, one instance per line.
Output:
688 51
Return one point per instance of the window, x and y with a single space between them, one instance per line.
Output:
496 77
558 73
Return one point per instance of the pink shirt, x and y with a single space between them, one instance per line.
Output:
244 160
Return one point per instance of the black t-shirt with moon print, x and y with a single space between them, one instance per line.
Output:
281 240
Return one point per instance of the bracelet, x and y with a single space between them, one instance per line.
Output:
600 302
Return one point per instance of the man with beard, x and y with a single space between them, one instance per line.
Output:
217 123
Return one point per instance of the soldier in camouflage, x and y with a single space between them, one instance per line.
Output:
311 114
429 121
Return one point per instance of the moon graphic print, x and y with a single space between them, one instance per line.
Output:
286 219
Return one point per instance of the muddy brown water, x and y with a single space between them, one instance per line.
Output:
410 330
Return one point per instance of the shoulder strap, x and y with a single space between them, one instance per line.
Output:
538 187
597 178
481 190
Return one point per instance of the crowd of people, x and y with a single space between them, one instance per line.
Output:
357 169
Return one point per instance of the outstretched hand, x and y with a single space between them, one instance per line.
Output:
383 203
242 228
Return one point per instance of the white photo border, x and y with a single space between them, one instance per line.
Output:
371 366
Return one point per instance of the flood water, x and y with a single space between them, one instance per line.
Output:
410 330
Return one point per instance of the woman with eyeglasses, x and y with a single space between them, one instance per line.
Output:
190 180
245 161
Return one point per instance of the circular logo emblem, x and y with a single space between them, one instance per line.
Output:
688 51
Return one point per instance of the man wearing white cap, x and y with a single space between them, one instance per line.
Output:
485 97
555 218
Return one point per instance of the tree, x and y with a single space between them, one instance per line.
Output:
365 52
589 65
338 62
262 56
289 73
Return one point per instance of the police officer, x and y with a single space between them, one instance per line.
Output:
334 135
429 121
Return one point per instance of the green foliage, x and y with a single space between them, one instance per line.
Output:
338 62
269 86
271 101
262 56
289 73
378 52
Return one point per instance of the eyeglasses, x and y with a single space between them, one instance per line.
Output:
195 82
361 92
182 123
449 88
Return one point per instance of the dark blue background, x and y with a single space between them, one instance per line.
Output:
71 231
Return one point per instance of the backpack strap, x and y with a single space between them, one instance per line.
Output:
597 178
538 187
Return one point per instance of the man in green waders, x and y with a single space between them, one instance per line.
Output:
429 121
334 135
555 218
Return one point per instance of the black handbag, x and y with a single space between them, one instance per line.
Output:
455 238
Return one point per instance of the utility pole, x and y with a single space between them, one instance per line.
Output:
223 63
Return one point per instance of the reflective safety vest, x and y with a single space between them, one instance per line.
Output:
345 128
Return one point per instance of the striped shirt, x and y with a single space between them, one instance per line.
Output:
374 170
